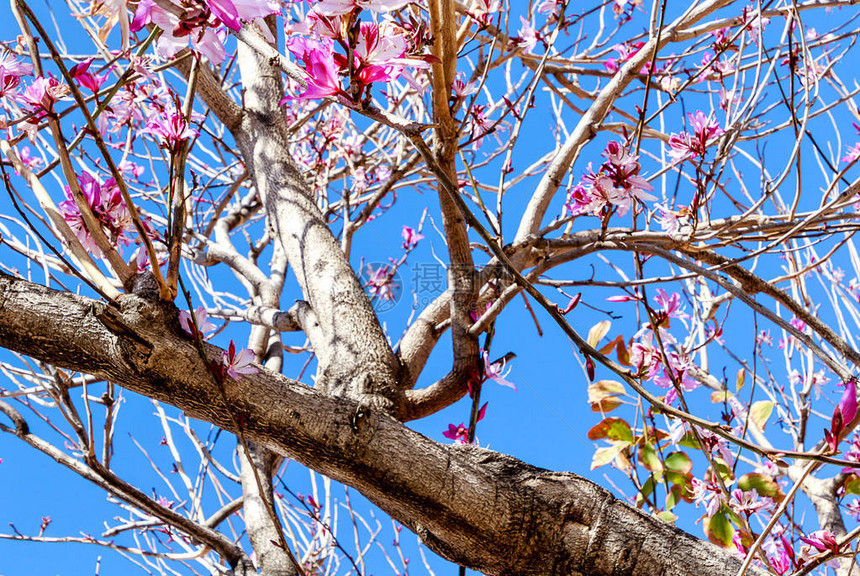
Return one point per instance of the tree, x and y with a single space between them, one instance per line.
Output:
261 138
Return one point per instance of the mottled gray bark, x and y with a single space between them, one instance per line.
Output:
348 334
476 507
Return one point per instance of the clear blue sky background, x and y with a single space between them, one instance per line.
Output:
544 423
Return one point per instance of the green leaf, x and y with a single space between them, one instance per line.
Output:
673 497
679 462
739 383
613 429
720 396
646 491
760 412
678 479
649 459
667 517
598 331
763 484
852 485
688 440
719 530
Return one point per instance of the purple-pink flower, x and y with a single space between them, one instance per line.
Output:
703 129
80 72
201 319
844 413
319 62
340 7
823 541
11 70
170 127
495 371
107 205
381 283
616 184
43 93
852 154
410 237
459 433
238 363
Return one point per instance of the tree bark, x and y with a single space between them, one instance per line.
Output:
479 508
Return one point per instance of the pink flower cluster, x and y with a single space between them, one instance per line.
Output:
703 129
199 22
381 52
169 127
614 186
380 282
107 205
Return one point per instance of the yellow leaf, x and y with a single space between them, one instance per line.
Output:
760 412
598 331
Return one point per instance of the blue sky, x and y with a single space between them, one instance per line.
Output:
544 423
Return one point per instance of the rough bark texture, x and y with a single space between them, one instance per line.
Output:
349 333
479 508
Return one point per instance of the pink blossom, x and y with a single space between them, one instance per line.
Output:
43 93
319 62
781 560
460 89
30 161
226 12
616 184
200 319
694 144
11 70
853 508
381 282
712 443
844 413
459 433
176 34
798 324
823 541
483 10
671 220
340 7
238 363
670 306
852 154
645 357
749 502
548 6
381 54
753 22
85 78
529 37
495 371
107 205
410 237
170 127
625 52
709 494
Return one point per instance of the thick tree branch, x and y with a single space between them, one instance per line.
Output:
473 506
